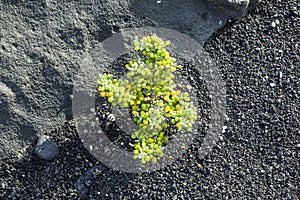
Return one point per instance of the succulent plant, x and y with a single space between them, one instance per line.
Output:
152 95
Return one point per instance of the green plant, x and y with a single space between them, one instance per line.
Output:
153 96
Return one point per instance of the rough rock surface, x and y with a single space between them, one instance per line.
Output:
44 43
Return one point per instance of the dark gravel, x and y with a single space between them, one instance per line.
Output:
256 158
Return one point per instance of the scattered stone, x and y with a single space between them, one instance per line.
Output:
111 117
279 154
189 87
108 126
45 148
221 138
273 24
224 129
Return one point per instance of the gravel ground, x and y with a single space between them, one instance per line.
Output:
257 156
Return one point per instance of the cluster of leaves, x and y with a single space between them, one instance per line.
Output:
152 95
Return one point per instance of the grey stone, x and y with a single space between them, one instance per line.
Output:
253 3
279 154
45 148
108 126
111 117
235 8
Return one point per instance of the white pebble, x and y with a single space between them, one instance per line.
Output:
132 145
111 117
273 24
272 84
224 129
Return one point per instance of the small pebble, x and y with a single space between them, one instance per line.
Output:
273 24
111 117
279 154
45 148
189 87
221 138
224 129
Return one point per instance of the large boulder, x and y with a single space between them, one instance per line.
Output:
44 43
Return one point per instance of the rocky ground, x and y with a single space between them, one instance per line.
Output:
257 156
